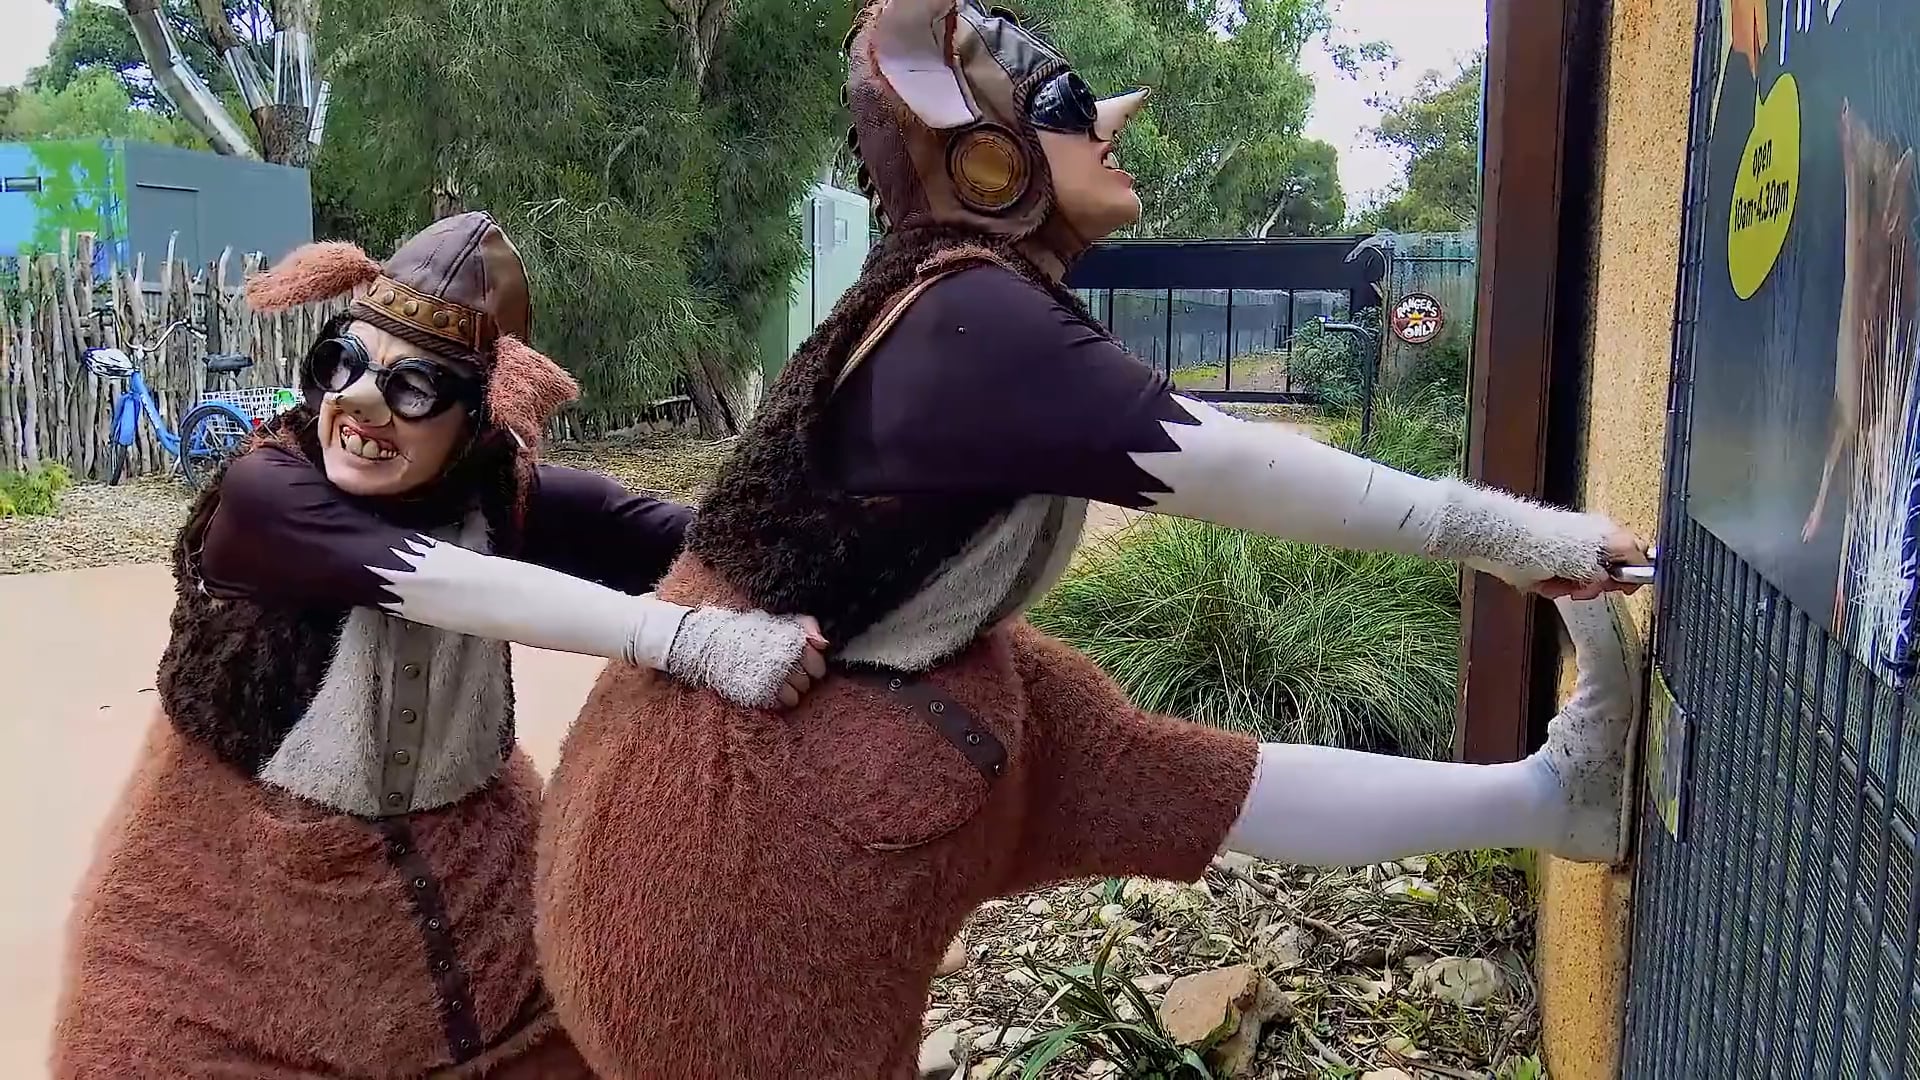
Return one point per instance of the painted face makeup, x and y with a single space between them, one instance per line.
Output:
390 419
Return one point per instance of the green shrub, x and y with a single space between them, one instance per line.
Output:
35 491
1328 365
1287 641
1105 1015
1443 364
1421 431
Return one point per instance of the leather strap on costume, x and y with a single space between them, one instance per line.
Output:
932 272
451 987
949 718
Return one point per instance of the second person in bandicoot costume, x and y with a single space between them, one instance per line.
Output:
727 892
323 864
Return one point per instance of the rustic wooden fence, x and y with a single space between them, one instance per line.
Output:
52 309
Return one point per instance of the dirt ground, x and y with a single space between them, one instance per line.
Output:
76 696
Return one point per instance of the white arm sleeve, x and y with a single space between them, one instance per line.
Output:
455 588
1265 478
1322 806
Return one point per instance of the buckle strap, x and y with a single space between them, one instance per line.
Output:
954 723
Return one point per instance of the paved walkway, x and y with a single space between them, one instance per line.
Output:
77 657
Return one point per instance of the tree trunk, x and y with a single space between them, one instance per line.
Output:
706 385
702 21
1261 230
446 198
177 81
283 134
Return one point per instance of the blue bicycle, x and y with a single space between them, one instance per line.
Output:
212 431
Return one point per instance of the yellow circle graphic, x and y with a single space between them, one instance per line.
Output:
1765 189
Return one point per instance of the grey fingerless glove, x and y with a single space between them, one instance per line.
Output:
1518 541
744 656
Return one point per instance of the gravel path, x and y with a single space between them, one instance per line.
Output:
1369 958
97 525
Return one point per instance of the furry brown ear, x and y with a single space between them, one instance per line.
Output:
526 389
309 274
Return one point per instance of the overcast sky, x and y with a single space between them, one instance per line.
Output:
1424 34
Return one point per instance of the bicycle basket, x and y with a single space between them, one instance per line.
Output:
261 403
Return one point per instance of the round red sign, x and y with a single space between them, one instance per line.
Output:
1417 319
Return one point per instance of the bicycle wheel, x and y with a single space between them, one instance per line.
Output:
116 462
210 433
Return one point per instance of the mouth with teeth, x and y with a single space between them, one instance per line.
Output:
357 443
1110 161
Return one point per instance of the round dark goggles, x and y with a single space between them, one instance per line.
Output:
413 387
1064 104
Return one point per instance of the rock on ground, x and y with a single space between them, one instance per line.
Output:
1222 1012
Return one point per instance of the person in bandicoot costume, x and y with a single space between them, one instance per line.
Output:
725 892
323 865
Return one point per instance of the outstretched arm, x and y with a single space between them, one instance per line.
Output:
1265 478
989 385
282 534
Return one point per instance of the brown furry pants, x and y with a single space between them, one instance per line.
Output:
228 931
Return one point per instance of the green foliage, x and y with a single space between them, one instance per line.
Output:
1288 641
92 104
95 36
1329 365
1089 1002
80 189
1218 147
651 196
1307 201
1443 363
34 491
1421 431
1522 1068
1438 127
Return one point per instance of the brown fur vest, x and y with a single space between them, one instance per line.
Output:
237 675
776 527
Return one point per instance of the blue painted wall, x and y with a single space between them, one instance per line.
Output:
133 196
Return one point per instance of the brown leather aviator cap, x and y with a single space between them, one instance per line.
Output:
457 289
459 282
938 91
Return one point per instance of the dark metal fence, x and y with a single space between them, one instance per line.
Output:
1227 340
1776 922
1219 316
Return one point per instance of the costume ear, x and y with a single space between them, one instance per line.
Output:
311 273
913 48
525 389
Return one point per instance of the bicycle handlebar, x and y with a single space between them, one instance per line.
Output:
144 349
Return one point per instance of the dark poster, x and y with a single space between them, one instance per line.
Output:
1802 450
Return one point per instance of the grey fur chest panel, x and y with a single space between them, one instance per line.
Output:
1003 569
359 711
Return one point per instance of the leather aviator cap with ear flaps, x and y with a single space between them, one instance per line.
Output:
457 289
942 94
